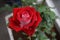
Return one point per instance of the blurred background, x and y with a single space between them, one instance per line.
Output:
6 8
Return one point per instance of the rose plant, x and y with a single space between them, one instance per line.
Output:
25 19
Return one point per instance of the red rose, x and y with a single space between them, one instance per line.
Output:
25 19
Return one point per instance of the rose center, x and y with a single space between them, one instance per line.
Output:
25 18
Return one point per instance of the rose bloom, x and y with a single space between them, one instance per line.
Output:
25 19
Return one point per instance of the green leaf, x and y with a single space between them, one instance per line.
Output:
50 14
53 34
41 36
42 8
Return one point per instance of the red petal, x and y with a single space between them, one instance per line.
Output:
15 10
39 19
19 13
30 31
13 26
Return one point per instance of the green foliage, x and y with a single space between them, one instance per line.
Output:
6 7
28 2
48 18
41 36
